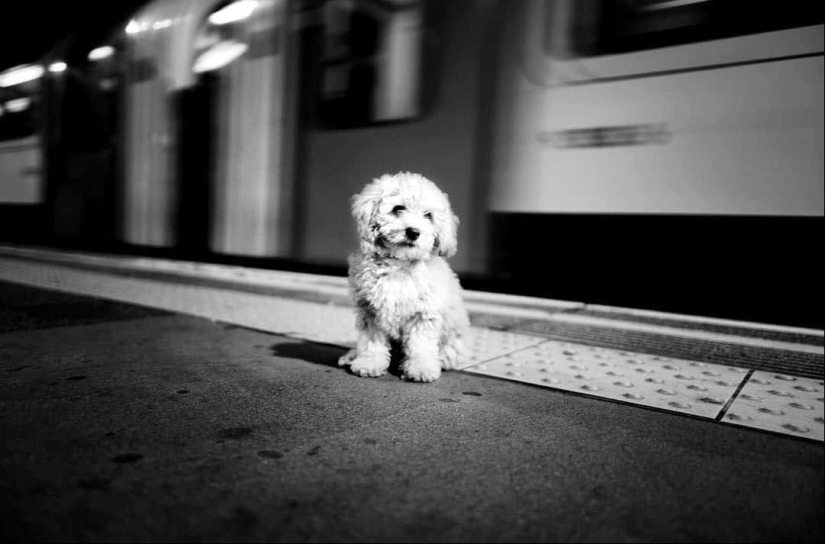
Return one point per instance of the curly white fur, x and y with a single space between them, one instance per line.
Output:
403 287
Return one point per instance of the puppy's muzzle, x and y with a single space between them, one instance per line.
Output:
412 234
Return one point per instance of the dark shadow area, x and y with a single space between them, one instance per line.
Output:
752 268
328 355
51 21
24 308
195 168
307 351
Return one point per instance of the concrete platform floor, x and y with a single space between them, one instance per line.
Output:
125 424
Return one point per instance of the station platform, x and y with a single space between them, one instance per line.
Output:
156 400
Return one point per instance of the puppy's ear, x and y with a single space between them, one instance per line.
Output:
446 225
364 209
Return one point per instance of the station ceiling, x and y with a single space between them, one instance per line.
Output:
29 29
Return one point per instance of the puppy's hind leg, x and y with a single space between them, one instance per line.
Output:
451 350
347 358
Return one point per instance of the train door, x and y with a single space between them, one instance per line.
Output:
390 86
208 128
239 128
152 74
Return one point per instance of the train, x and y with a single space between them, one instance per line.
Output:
658 154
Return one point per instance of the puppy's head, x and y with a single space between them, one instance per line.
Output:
405 216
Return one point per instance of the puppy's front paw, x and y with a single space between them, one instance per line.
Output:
419 370
369 366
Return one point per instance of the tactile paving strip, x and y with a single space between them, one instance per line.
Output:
677 385
484 344
780 403
716 352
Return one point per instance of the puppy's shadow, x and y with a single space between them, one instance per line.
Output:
320 354
327 355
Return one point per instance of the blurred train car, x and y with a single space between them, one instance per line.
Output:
664 154
21 151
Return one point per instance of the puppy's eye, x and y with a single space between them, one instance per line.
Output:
398 209
429 216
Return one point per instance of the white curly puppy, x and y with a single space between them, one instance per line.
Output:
403 287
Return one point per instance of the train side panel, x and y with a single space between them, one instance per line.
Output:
686 177
731 127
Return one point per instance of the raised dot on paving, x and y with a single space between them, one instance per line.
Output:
692 387
780 403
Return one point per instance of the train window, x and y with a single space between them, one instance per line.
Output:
19 102
611 27
370 62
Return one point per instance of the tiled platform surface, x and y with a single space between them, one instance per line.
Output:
780 403
690 387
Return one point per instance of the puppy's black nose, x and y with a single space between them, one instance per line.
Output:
412 233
